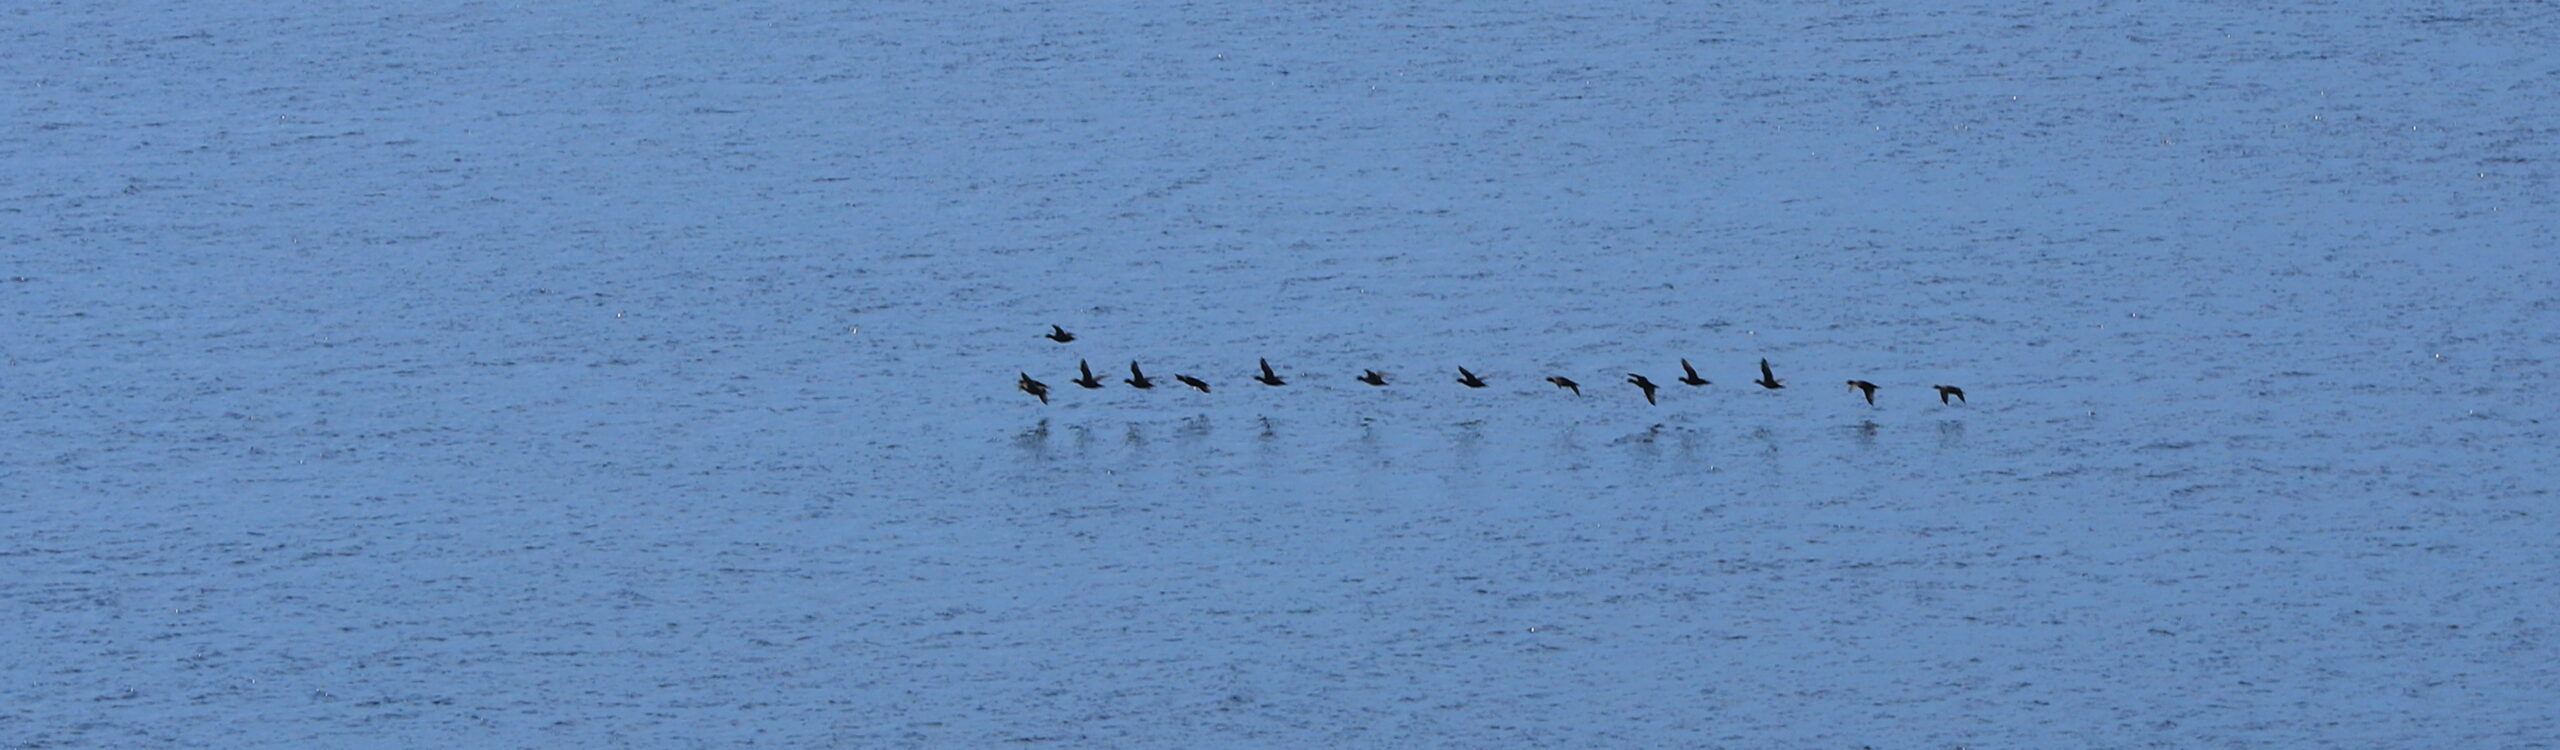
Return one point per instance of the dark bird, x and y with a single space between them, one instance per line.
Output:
1193 382
1869 388
1948 390
1647 385
1768 379
1138 379
1034 387
1268 377
1692 377
1567 384
1088 381
1059 335
1372 377
1469 378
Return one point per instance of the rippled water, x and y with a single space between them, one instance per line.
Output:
606 377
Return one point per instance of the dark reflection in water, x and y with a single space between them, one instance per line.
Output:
1468 445
1646 445
1266 446
1950 433
1372 450
1035 441
1769 447
1462 447
1569 447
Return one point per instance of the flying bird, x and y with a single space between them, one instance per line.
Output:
1567 384
1692 377
1138 379
1372 377
1193 382
1059 335
1469 378
1647 385
1768 379
1034 387
1869 388
1268 377
1948 390
1088 381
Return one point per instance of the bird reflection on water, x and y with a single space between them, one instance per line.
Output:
1034 441
1459 447
1950 433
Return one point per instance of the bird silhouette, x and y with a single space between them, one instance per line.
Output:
1268 377
1469 378
1647 385
1088 381
1948 390
1034 387
1193 382
1691 378
1372 377
1059 335
1567 384
1138 379
1869 388
1768 379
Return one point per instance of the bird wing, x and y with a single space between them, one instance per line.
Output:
1765 374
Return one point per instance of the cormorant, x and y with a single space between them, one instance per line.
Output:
1647 385
1567 384
1372 377
1138 379
1469 378
1088 381
1059 335
1034 387
1768 379
1948 390
1193 382
1268 377
1692 377
1869 388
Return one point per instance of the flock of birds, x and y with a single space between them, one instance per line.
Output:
1947 394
